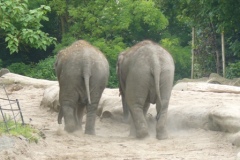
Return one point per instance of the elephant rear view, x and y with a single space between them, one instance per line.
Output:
82 72
145 74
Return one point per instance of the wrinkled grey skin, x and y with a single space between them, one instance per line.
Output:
145 73
82 72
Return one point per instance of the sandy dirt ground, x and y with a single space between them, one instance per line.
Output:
111 140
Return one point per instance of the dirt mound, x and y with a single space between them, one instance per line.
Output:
190 115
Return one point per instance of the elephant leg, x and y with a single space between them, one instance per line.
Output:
80 112
139 121
69 117
132 125
60 115
125 110
145 108
91 118
136 97
161 121
166 82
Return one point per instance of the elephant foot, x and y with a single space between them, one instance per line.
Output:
162 135
70 128
142 134
90 132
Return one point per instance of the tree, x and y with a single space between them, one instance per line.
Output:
211 19
112 26
21 26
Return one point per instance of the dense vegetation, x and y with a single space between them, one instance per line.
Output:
28 28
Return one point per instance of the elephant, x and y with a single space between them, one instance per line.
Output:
82 71
145 73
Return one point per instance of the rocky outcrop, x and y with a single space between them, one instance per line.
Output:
215 79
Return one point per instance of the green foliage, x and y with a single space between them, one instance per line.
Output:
67 40
1 62
44 69
19 68
181 56
111 49
112 26
17 129
210 18
60 6
21 26
233 70
131 20
234 46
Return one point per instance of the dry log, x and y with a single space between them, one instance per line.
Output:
11 78
206 87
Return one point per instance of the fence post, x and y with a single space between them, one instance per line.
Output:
20 111
4 120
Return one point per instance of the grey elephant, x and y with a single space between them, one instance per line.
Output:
145 73
82 72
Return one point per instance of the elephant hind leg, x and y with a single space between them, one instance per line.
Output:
140 122
79 115
60 115
161 121
166 83
91 117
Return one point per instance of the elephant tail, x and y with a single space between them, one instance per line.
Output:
86 80
60 115
156 75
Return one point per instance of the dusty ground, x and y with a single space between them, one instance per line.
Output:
112 141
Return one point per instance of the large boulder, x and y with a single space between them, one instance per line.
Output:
12 78
51 98
214 78
211 107
4 71
205 87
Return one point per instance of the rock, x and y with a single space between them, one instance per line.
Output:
6 142
217 79
51 98
11 78
206 87
4 71
214 78
238 156
15 87
224 118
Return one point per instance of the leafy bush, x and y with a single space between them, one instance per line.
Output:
1 63
44 69
181 56
67 40
111 49
20 68
17 20
233 70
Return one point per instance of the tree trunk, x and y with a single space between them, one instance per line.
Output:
223 54
217 62
193 39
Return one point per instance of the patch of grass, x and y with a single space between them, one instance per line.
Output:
17 129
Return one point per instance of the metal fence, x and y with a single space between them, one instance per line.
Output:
11 114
